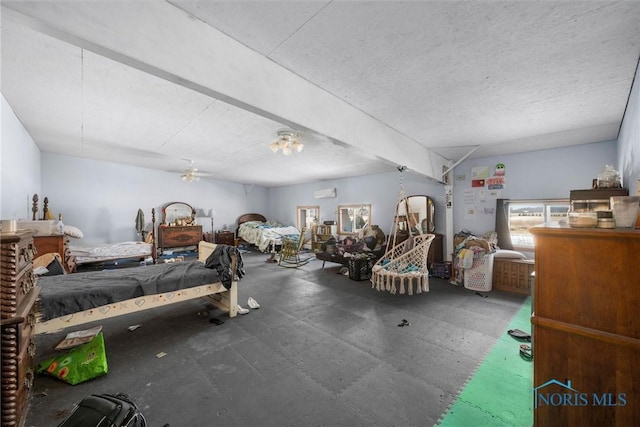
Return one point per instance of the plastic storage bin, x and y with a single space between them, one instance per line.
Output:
480 276
441 270
360 268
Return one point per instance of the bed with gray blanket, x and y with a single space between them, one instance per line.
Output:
73 299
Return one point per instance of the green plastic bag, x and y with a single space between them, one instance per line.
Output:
79 364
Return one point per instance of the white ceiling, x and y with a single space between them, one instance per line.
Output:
368 84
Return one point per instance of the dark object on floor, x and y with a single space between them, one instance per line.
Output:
216 321
482 295
105 410
405 322
526 352
520 335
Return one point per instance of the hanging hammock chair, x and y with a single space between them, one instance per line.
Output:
404 264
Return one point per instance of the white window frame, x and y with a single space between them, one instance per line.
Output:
525 242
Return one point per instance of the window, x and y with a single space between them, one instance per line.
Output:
523 215
353 218
307 216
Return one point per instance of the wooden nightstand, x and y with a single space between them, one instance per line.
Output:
225 238
56 243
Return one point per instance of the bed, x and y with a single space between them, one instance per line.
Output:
76 252
87 254
267 236
110 252
75 299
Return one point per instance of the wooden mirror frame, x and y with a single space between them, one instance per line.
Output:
348 217
178 213
421 215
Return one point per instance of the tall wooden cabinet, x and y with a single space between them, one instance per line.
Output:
19 292
586 327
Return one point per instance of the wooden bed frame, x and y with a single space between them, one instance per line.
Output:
154 249
215 293
246 218
254 217
153 254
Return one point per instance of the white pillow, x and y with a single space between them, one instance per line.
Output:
506 253
72 231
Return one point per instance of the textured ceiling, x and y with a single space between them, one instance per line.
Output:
369 85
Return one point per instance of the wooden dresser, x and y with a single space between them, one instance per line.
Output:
586 327
179 236
225 237
435 250
17 320
56 243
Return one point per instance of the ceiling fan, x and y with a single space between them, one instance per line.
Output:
288 141
192 174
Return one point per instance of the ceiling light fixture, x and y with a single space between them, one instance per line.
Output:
190 176
287 141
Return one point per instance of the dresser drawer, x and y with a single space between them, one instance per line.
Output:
16 257
17 375
13 294
171 237
225 238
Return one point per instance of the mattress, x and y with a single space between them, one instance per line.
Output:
109 251
71 293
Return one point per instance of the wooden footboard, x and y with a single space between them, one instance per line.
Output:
215 293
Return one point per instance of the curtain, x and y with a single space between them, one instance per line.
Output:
502 224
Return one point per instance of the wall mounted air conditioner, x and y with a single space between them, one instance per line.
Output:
325 193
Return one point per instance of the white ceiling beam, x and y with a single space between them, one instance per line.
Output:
176 47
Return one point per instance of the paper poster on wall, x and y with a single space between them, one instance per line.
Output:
469 196
482 195
480 172
487 211
469 211
477 183
496 182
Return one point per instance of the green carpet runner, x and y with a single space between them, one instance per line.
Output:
500 392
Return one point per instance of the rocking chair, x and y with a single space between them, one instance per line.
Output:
290 251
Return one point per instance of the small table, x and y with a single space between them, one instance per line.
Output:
338 259
341 259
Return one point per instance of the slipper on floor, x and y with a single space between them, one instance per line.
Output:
525 352
216 321
520 335
253 303
242 310
405 322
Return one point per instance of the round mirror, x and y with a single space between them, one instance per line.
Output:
178 213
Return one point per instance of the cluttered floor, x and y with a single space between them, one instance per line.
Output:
321 349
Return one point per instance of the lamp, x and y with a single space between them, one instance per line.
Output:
287 142
212 212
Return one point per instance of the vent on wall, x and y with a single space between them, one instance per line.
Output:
324 194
